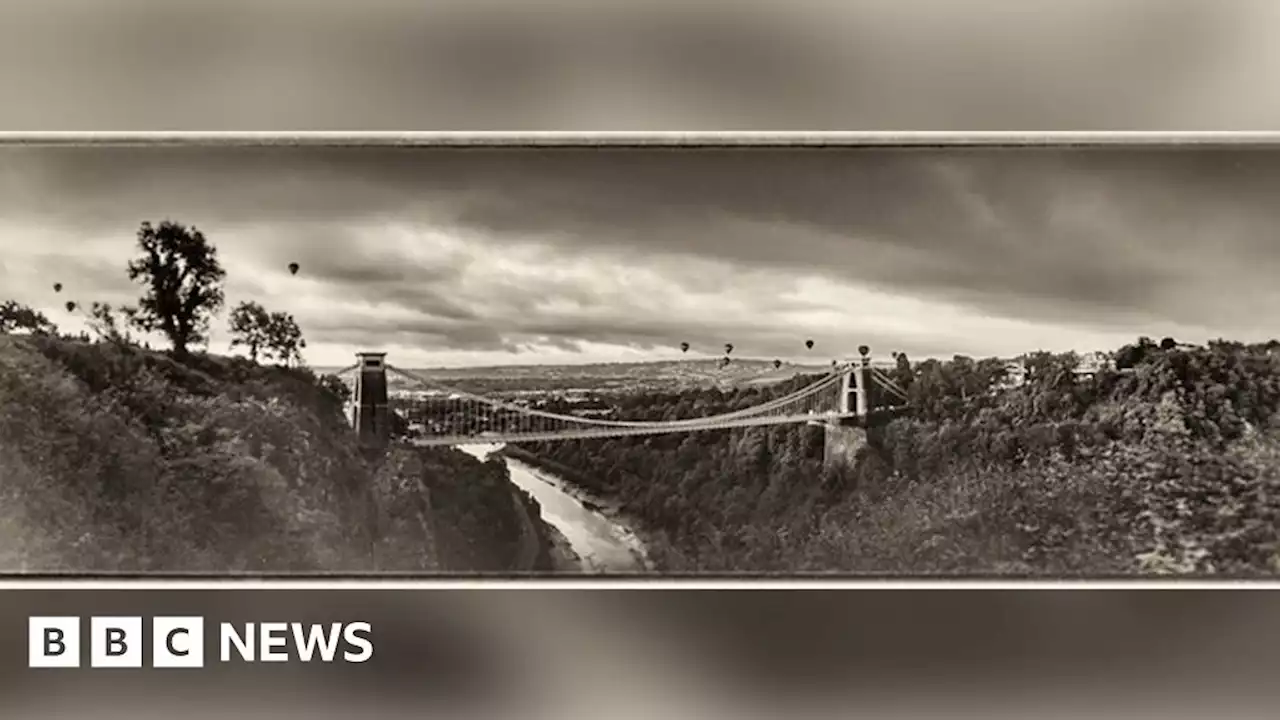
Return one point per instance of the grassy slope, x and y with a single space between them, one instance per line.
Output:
112 458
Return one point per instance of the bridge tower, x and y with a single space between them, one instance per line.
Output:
846 434
853 389
372 417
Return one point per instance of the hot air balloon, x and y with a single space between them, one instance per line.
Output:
777 364
71 306
684 347
863 350
728 348
293 268
808 344
57 287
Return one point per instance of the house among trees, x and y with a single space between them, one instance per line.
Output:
1015 375
1092 363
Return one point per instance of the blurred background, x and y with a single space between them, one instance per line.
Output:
526 66
573 653
638 66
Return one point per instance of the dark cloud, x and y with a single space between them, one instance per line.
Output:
494 247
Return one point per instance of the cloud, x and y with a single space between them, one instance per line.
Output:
499 251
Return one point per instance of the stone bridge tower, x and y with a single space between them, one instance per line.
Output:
372 417
845 435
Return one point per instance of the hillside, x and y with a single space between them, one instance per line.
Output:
1169 465
113 458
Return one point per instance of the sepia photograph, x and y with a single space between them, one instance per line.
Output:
1009 361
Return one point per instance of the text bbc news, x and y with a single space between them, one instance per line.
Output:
179 642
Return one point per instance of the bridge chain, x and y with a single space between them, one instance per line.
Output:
828 381
575 426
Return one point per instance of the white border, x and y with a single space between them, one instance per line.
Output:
686 139
502 138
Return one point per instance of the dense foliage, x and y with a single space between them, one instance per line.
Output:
1169 464
474 524
16 317
266 334
116 458
113 457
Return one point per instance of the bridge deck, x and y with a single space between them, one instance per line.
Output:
466 418
610 432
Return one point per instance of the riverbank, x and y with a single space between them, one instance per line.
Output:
564 561
561 478
594 537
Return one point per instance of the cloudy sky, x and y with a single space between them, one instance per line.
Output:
451 256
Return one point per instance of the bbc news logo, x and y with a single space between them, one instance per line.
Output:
179 642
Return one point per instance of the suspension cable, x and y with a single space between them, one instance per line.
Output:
830 379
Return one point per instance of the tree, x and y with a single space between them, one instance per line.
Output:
334 385
269 334
1133 355
16 316
250 326
104 323
182 277
284 338
902 372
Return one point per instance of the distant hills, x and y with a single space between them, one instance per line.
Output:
650 367
660 373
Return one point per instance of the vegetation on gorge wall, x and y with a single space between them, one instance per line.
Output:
1169 462
116 457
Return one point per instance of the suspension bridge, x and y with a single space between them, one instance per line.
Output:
840 400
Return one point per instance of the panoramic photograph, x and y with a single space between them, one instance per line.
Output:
558 361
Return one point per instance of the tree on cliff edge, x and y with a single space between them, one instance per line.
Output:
250 327
182 280
267 334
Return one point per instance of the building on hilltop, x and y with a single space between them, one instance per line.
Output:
1015 375
1092 363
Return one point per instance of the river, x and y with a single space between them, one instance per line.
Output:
603 544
